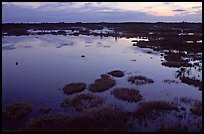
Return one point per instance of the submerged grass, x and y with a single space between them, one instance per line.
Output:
130 95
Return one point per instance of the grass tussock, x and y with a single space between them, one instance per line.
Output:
177 64
139 80
102 84
116 73
130 95
83 102
16 111
74 88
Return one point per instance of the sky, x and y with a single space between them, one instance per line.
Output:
25 12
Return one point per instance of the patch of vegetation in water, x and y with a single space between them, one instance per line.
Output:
16 111
74 88
177 64
116 73
140 80
102 84
130 95
83 101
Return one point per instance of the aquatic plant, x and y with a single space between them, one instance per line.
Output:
130 95
116 73
139 80
82 102
102 84
74 88
16 111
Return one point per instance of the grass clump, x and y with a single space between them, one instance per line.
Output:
139 80
16 111
116 73
83 101
102 84
130 95
177 64
74 88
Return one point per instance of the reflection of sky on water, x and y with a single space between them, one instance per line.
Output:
43 68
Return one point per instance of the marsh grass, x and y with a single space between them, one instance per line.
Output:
83 101
74 88
139 80
130 95
192 81
177 64
102 84
116 73
153 109
197 108
100 120
16 111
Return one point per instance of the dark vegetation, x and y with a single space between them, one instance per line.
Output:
153 109
130 95
16 111
187 80
102 84
100 120
140 80
74 88
116 73
82 102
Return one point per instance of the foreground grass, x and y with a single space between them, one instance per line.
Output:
101 120
16 111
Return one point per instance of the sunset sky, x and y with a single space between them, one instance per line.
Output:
101 11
